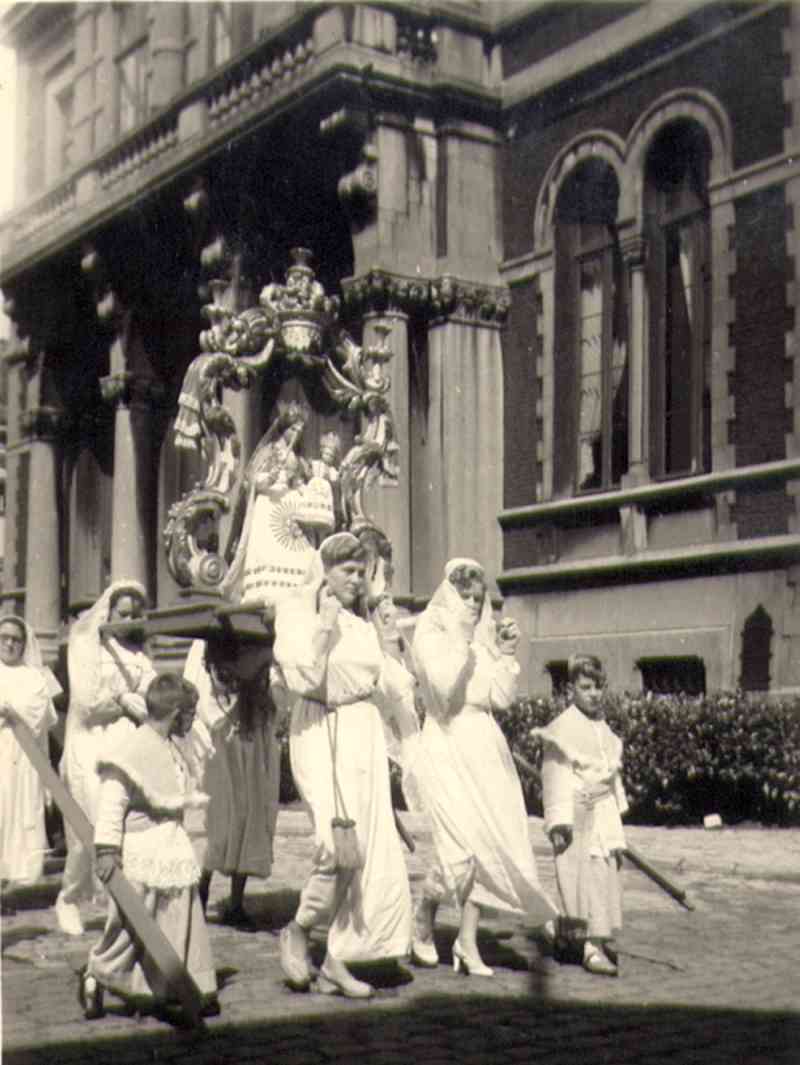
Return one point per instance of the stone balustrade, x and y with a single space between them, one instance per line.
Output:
262 77
56 204
139 151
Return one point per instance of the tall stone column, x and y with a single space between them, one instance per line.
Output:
460 483
634 250
134 489
167 44
85 75
41 425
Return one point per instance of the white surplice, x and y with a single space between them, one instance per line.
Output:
368 690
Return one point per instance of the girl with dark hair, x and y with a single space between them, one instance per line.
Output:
341 690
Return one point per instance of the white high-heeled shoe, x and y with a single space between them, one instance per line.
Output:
473 966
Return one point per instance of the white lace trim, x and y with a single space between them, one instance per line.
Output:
160 857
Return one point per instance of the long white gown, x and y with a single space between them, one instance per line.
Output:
95 722
465 772
370 689
23 840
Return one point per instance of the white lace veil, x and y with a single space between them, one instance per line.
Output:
83 648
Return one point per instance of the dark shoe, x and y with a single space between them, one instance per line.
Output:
293 949
90 996
211 1007
236 917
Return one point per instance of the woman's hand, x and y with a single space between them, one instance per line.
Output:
133 706
561 838
508 636
329 607
106 861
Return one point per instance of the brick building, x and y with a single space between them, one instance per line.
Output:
578 220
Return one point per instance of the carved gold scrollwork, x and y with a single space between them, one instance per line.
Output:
298 322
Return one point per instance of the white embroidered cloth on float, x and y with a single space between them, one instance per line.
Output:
372 691
466 774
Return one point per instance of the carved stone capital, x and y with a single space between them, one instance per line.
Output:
358 187
378 291
469 300
42 423
128 389
634 250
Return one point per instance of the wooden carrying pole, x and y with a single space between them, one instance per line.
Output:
119 887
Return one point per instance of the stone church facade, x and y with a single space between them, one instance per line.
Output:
575 223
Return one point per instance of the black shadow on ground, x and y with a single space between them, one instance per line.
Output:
465 1030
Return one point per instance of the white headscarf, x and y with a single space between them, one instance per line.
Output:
308 591
32 655
452 612
84 646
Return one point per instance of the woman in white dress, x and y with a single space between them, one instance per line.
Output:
342 691
465 772
26 692
108 678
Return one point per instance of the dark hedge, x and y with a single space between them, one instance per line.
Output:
728 753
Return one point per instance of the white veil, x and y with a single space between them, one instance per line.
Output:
32 655
83 648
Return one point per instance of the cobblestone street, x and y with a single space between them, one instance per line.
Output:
716 985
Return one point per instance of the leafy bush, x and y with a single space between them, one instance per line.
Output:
685 757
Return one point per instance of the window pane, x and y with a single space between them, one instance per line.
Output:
590 380
132 73
221 34
679 345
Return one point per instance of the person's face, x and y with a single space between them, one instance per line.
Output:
472 596
12 644
182 724
587 695
346 581
126 608
293 434
328 455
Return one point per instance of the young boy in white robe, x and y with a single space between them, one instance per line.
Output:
583 802
145 788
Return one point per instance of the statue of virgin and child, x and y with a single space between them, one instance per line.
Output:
286 506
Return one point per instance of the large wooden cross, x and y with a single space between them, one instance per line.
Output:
145 929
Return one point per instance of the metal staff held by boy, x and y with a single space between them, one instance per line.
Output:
661 881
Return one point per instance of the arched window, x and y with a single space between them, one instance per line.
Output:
679 286
757 633
591 350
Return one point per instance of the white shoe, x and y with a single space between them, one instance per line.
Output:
69 917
